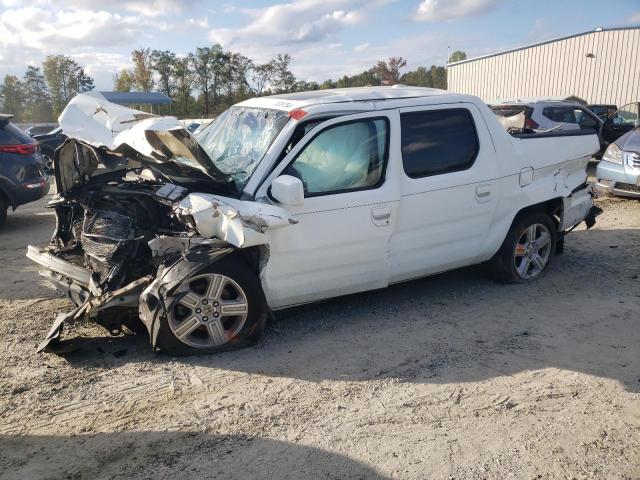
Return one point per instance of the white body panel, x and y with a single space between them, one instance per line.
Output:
341 243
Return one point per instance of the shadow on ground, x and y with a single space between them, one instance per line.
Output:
169 455
458 326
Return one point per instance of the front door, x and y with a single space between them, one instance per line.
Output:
341 242
624 120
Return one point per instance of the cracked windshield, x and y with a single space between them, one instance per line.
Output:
238 139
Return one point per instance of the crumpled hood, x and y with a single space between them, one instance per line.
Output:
90 118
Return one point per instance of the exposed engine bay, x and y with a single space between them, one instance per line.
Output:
134 221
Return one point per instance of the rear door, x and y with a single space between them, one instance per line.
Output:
340 244
449 190
624 120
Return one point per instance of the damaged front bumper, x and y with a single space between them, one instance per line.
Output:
76 282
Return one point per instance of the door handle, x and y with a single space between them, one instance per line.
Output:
381 216
483 193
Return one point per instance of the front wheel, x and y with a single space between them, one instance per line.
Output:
526 251
221 308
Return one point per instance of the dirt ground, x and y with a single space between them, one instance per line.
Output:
452 376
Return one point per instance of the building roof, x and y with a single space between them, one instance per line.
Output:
289 101
137 98
599 29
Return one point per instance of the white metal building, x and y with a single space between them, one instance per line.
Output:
600 66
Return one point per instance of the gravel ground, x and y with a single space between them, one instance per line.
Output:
452 376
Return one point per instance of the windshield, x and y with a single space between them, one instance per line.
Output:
237 140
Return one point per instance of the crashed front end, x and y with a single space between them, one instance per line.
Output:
131 224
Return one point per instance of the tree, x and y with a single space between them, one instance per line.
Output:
417 78
123 81
37 103
283 79
389 72
261 75
12 96
65 79
204 63
164 62
81 82
238 76
438 77
142 70
184 81
457 56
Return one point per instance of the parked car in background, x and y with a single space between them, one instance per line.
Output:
40 129
296 198
48 144
192 127
22 179
543 115
603 111
619 171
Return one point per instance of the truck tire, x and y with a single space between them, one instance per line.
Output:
217 309
3 210
527 250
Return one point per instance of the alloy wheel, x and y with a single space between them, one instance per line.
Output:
210 309
532 251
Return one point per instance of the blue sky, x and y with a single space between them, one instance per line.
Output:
326 38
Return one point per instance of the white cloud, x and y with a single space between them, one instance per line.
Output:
200 23
434 10
362 47
635 19
47 31
292 24
148 8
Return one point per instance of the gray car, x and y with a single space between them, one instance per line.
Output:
619 171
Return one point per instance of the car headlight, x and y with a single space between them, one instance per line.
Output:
613 154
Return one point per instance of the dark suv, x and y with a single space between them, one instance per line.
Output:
22 178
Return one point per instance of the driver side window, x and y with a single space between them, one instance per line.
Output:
345 157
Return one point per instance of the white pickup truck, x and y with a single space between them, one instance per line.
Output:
296 198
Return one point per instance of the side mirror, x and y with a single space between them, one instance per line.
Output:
288 190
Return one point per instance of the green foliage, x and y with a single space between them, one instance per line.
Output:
201 84
12 96
457 56
123 81
65 79
37 104
142 69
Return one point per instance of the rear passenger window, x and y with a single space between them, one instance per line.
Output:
560 114
438 141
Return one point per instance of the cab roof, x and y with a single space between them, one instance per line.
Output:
291 101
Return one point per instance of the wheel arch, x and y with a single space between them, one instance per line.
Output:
552 207
154 299
5 196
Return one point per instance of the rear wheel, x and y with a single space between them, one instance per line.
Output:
527 251
221 308
47 163
3 210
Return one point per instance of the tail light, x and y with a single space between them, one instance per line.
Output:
528 123
20 149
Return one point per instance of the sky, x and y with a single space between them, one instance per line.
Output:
326 38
